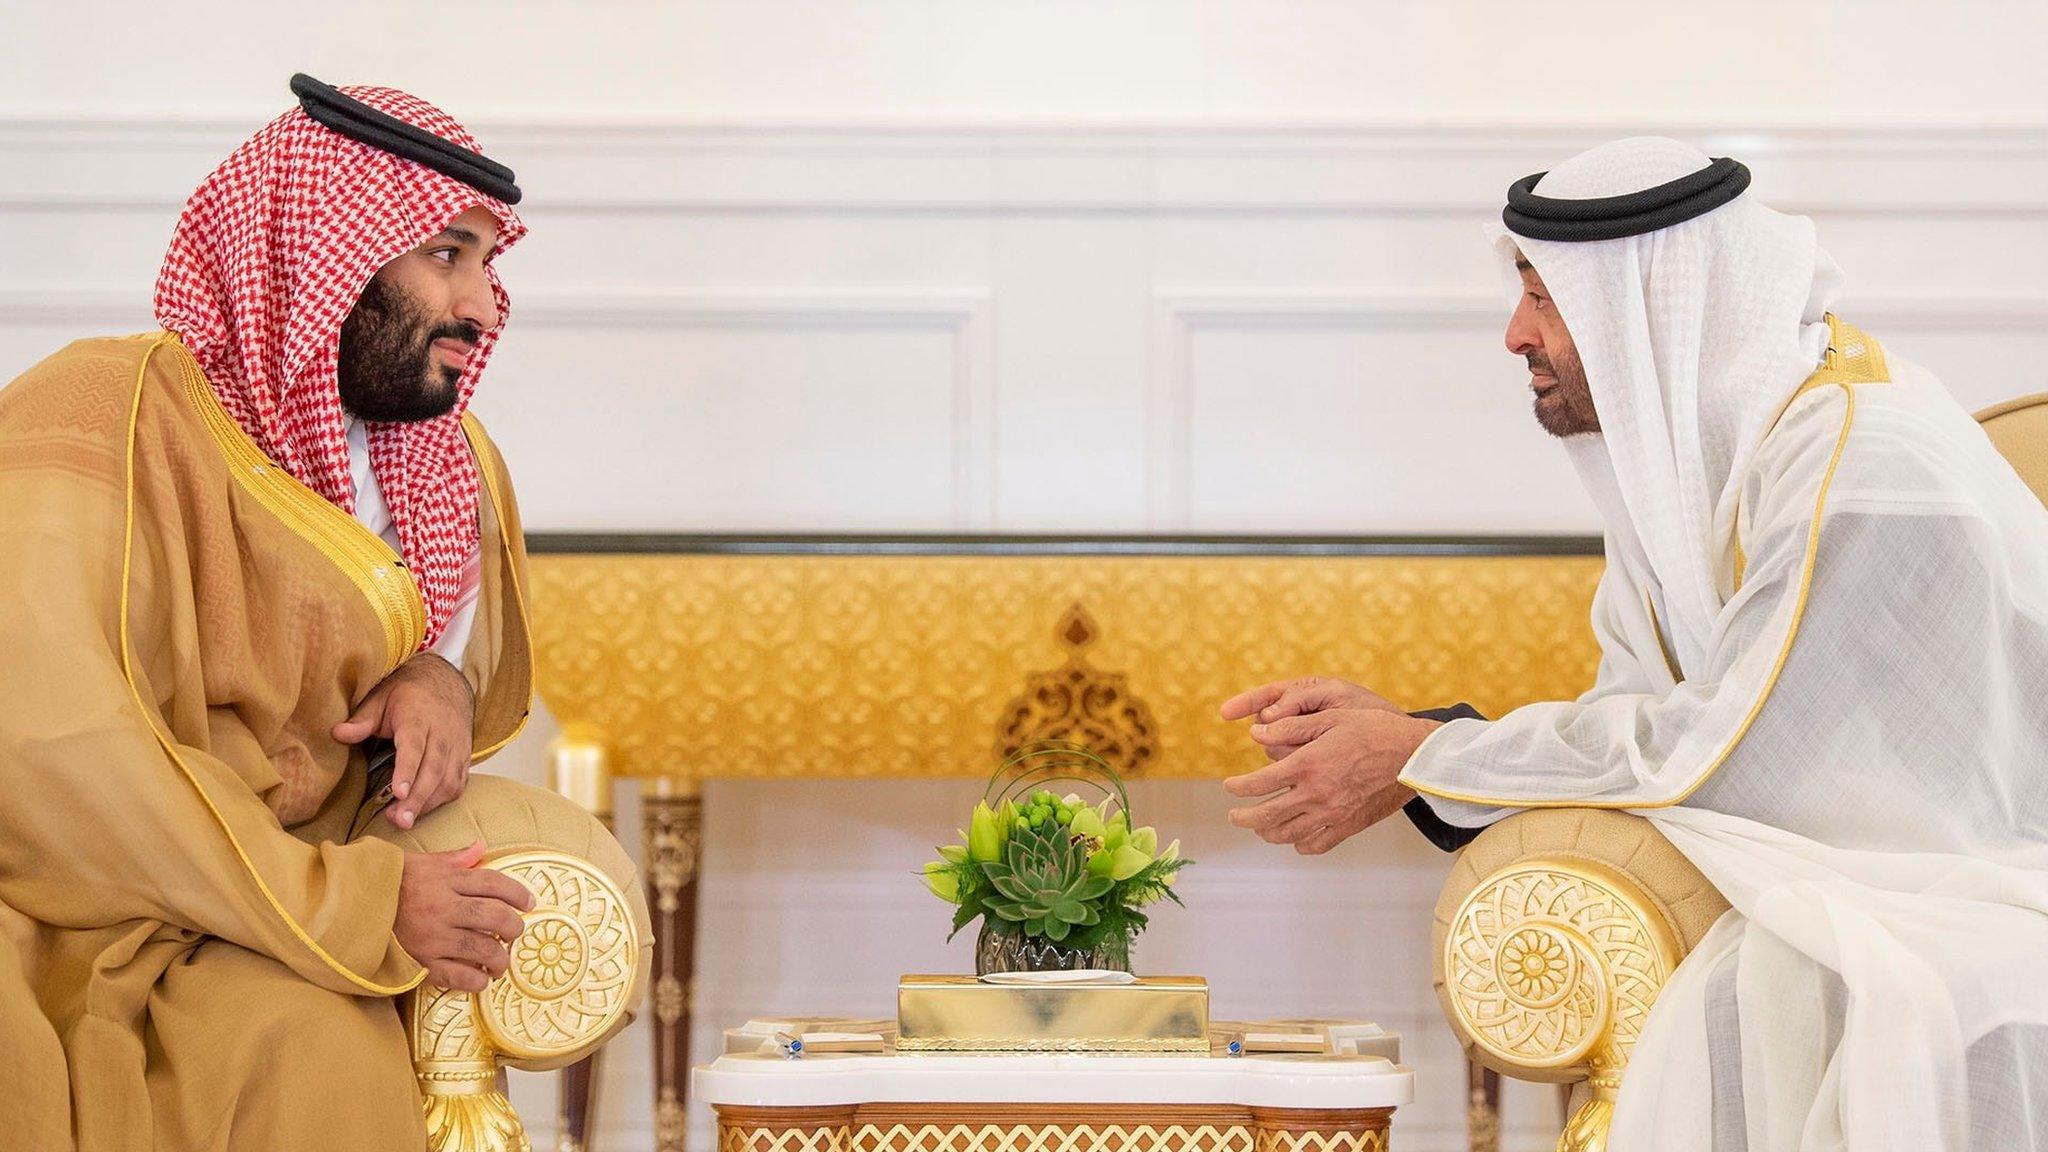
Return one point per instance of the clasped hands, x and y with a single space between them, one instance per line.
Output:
455 918
1337 750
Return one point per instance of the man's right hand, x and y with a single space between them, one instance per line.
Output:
1302 696
456 918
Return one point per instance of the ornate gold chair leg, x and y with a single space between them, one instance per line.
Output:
459 1078
571 984
1585 1130
1482 1109
1550 967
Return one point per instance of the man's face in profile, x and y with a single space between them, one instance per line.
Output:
406 342
1536 333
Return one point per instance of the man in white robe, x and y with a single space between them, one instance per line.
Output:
1824 676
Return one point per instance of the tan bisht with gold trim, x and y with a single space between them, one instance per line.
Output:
189 943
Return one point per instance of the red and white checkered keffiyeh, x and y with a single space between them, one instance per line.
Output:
271 254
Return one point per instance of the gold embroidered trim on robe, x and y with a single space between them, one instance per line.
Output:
1852 358
164 739
360 553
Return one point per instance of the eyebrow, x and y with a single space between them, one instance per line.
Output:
1522 265
460 235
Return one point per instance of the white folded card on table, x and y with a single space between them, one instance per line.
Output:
842 1041
1075 976
1285 1042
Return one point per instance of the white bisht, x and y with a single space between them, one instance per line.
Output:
1824 675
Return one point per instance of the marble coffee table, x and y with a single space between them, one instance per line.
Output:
768 1101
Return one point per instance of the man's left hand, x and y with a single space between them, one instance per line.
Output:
1341 778
425 709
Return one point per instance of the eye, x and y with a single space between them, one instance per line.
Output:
1538 299
444 255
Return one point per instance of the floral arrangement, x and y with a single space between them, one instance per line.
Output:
1039 867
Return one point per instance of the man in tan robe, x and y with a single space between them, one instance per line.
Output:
233 551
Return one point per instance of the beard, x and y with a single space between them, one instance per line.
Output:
1566 409
387 369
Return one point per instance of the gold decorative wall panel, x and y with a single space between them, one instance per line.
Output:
1078 703
695 665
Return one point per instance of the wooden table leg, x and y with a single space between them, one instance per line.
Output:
1482 1108
673 818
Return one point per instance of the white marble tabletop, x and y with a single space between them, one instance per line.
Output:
769 1079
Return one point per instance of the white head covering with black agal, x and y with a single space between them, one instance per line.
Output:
1824 676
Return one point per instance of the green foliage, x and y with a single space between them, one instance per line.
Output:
1043 882
1058 869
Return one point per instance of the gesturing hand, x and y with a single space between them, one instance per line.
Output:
1301 696
425 709
1341 777
456 918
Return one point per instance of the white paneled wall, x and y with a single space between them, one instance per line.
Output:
1054 328
1102 266
1051 329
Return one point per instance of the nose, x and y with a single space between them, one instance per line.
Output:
475 303
1522 336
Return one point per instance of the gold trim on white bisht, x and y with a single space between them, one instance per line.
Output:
1824 675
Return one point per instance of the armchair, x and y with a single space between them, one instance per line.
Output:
577 972
1558 927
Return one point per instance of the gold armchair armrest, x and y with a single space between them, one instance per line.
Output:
1554 934
577 971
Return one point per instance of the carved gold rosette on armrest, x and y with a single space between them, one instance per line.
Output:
569 987
1555 934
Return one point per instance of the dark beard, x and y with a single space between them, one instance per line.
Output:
1567 409
387 371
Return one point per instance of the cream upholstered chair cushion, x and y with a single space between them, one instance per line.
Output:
2019 430
1540 918
577 972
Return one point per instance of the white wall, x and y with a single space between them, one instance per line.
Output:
1047 266
1750 61
1061 328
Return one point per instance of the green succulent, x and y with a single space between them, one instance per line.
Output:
1043 883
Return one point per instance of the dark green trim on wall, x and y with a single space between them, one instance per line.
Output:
652 543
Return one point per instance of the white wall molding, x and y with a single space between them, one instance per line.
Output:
1179 314
962 317
1453 169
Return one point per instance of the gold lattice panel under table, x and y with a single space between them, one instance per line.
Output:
1025 1127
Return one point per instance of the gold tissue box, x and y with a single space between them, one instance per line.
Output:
962 1014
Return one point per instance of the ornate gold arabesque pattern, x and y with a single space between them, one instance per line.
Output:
706 665
1079 703
1554 963
572 967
